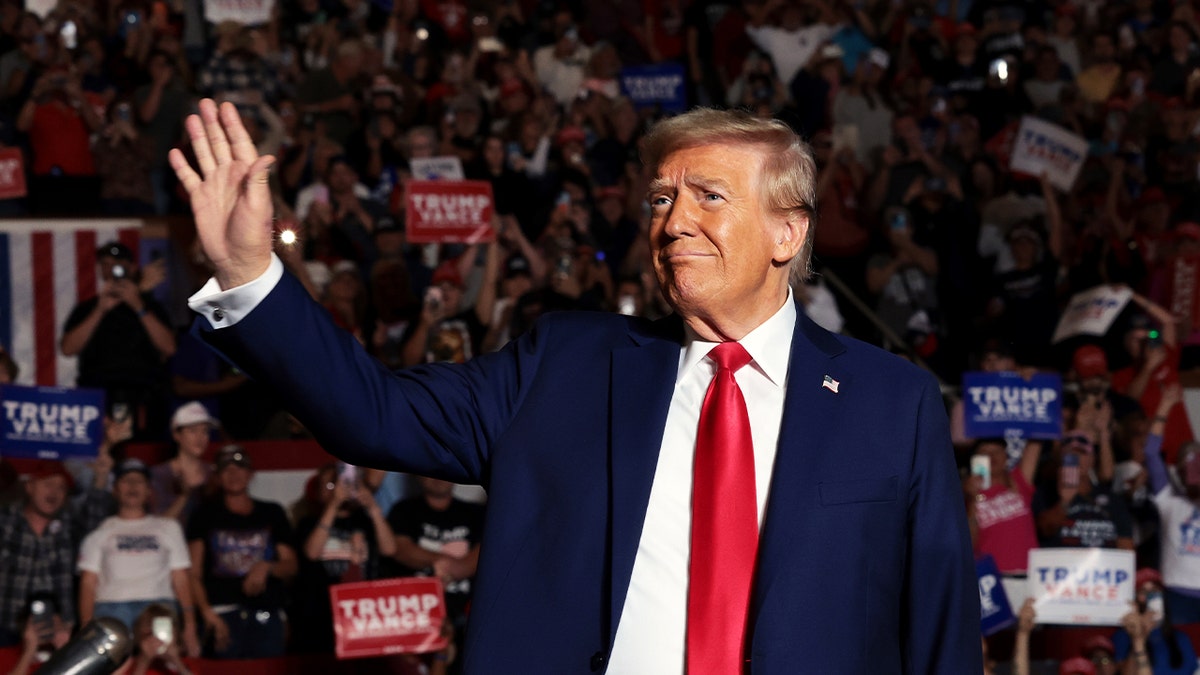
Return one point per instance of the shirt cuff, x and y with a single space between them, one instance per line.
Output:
225 308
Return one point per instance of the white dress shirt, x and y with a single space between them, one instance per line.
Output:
653 625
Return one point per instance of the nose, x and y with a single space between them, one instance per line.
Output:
680 220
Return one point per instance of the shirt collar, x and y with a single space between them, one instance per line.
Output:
769 345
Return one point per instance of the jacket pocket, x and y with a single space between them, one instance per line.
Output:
859 491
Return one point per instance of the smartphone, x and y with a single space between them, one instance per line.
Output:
69 34
1155 605
898 220
626 305
998 70
1070 470
433 298
321 194
123 112
348 473
981 465
564 266
163 629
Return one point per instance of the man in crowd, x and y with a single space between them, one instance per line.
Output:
122 337
438 535
591 431
242 553
39 539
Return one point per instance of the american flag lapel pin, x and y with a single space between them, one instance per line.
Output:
830 384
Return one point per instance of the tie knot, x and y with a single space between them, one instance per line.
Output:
729 355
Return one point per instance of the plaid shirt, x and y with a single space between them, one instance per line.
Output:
224 74
31 564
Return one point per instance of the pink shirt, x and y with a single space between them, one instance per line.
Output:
1006 526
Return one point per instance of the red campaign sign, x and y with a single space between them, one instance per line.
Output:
12 173
1183 285
443 212
388 616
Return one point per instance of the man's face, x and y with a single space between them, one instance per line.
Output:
342 178
234 479
192 439
132 490
47 495
718 253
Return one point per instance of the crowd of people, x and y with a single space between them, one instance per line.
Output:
910 108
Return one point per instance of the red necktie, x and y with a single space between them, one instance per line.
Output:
724 523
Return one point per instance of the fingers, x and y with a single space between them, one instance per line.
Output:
200 144
216 135
187 176
239 141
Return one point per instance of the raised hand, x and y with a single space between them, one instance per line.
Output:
230 198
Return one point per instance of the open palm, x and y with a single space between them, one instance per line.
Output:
230 197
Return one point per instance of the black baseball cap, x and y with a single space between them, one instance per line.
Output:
115 249
131 466
233 454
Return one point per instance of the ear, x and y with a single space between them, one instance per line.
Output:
791 231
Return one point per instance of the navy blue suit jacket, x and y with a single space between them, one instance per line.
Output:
865 561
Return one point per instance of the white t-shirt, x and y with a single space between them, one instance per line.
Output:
1180 522
790 50
134 558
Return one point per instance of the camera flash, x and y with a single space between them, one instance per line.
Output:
287 237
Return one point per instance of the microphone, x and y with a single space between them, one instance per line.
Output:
98 649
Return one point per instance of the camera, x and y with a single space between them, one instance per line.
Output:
119 272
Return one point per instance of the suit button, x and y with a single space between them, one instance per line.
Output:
597 661
219 314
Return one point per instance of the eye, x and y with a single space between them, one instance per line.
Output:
712 197
660 201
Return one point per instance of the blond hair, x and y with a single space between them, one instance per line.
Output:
789 173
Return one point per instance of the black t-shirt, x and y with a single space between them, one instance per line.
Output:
351 542
233 543
452 532
119 352
1097 520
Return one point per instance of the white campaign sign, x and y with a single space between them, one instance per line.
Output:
437 168
1041 147
1092 312
246 12
1081 586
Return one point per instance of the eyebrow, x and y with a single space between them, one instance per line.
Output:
705 183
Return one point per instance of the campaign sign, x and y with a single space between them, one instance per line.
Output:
247 12
994 609
51 422
388 616
1041 147
1081 586
12 173
1092 312
1182 283
994 404
437 168
441 212
658 84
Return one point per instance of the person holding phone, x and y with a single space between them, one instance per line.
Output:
1082 511
345 538
1000 503
1147 642
1178 505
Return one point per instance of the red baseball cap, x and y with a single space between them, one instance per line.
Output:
1090 361
570 134
1148 575
1099 642
1077 666
48 468
447 273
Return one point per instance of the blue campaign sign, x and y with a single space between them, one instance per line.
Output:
655 84
995 404
51 422
995 612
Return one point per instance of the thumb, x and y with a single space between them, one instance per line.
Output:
260 170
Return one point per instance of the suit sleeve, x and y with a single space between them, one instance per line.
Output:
438 420
941 598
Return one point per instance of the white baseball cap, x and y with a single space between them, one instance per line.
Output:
192 412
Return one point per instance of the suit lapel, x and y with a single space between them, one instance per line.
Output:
811 417
643 381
